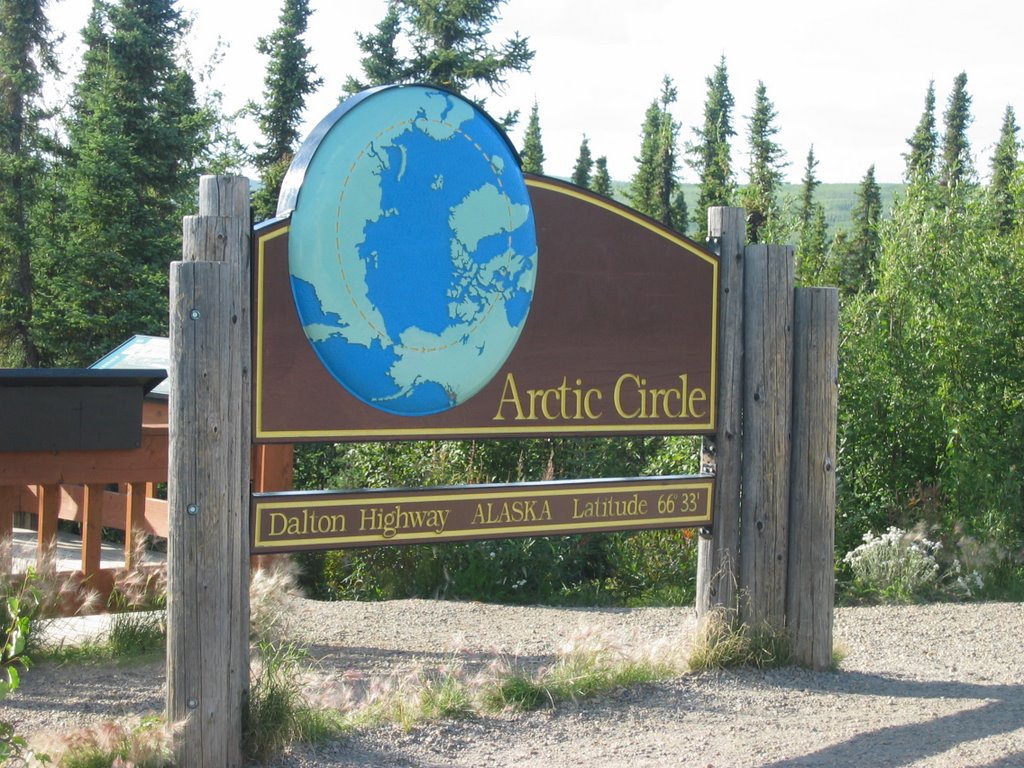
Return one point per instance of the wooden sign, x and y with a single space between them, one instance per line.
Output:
418 286
290 522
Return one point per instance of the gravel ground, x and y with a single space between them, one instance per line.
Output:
933 685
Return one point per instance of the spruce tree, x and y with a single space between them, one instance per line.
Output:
711 156
533 148
956 164
26 43
1005 165
289 80
135 137
584 165
857 271
381 62
653 188
641 192
924 143
812 236
765 171
448 44
601 182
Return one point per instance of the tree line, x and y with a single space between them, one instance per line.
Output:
932 388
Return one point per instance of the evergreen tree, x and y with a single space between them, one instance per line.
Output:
25 55
766 163
1005 165
448 44
924 143
289 79
956 149
641 188
812 237
653 188
533 148
711 156
382 65
584 165
135 137
601 182
809 184
680 211
857 270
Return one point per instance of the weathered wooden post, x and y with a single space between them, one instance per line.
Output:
767 399
718 551
811 588
208 484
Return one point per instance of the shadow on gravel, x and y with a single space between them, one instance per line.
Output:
1002 712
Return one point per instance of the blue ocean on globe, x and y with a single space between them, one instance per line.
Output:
412 250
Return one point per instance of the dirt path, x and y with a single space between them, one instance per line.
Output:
937 685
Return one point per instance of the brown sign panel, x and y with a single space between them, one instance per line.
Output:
620 339
290 522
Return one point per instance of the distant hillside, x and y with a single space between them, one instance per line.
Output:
838 199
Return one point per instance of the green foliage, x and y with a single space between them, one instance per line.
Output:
533 148
956 165
643 568
857 262
811 246
932 378
760 196
1005 161
584 165
26 53
655 183
447 43
136 136
601 182
923 143
277 713
711 155
16 614
289 79
590 664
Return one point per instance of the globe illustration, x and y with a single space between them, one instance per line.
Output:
412 249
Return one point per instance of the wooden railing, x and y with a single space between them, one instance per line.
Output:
107 489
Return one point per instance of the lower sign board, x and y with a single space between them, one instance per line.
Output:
296 521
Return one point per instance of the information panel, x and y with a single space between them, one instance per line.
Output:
418 285
291 522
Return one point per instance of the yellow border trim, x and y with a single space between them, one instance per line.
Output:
423 496
259 433
260 258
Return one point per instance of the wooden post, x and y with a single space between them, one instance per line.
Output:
811 589
9 496
134 518
46 520
92 527
718 551
767 398
208 483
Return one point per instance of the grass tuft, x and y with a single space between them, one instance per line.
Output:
148 743
722 643
278 713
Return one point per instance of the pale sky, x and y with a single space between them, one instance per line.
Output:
848 77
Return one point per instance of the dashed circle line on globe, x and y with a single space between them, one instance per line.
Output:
337 234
